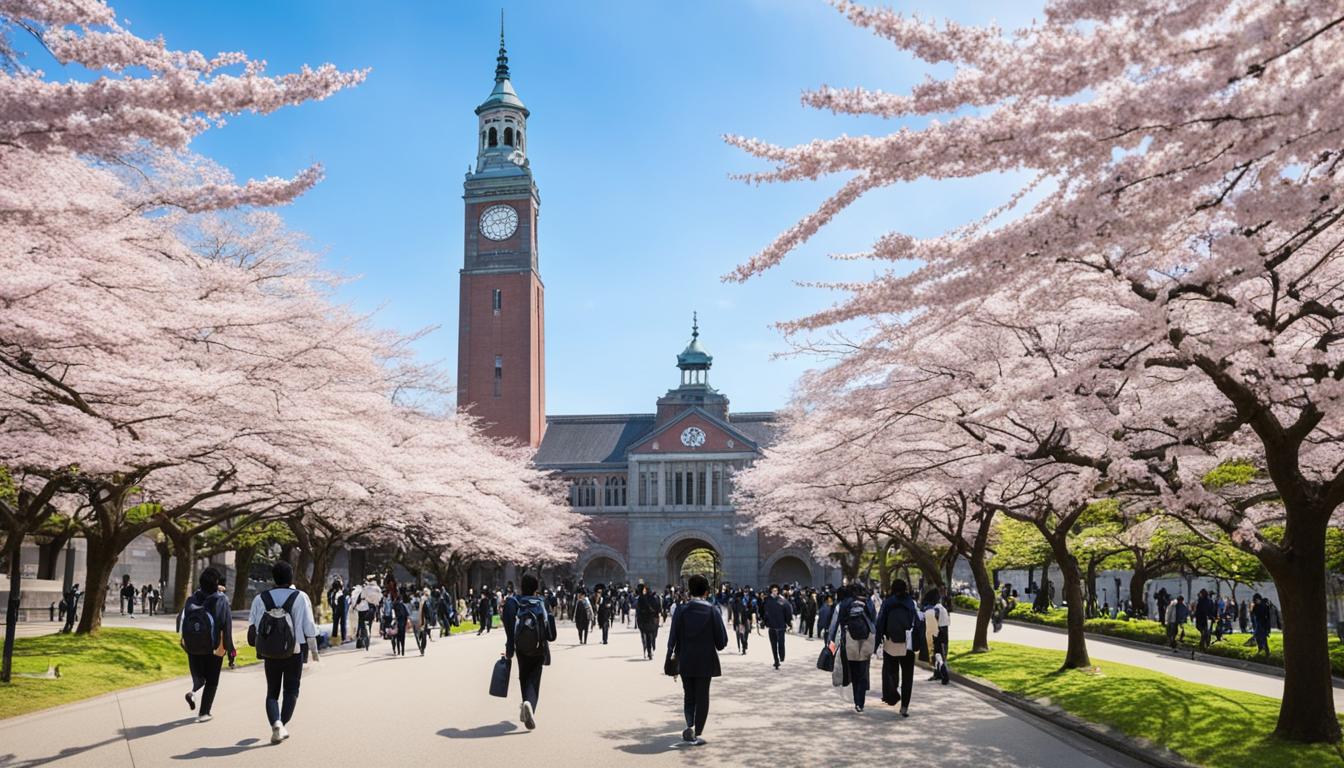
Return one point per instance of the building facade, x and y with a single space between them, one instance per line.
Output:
658 486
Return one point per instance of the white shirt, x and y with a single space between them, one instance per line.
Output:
302 614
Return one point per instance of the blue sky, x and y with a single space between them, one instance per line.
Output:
639 218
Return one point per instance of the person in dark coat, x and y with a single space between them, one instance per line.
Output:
777 615
205 667
898 657
647 612
529 667
605 609
695 639
855 653
1204 615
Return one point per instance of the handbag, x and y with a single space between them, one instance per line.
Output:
826 660
672 667
499 678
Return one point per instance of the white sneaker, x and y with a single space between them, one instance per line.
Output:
278 732
205 718
525 714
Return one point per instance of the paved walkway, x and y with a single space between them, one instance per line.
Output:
1158 659
600 706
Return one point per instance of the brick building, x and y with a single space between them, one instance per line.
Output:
656 485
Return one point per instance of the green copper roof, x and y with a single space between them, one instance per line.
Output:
694 355
503 95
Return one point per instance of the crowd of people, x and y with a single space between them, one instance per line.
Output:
855 622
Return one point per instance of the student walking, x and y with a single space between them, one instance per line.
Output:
902 636
852 629
937 623
694 640
529 630
605 611
1176 615
281 627
583 615
647 611
778 616
1204 614
206 627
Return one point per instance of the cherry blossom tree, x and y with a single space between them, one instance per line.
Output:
1185 172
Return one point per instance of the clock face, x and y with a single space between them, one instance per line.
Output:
499 222
693 437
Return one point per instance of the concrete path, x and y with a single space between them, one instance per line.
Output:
1158 659
600 706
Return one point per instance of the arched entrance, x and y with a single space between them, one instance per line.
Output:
603 570
690 555
790 569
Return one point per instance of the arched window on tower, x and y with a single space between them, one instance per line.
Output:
508 136
493 141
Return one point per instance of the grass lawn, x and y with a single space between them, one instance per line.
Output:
116 658
1208 726
1151 632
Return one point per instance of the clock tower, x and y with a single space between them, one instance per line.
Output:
501 373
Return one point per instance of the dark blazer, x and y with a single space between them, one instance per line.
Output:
648 608
696 637
777 612
217 603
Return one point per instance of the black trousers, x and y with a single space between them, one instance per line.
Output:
650 638
205 674
338 623
583 633
858 679
529 677
399 641
742 639
282 675
777 645
696 702
898 677
422 639
605 629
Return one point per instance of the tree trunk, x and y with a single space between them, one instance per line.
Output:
102 558
1076 656
242 560
1138 605
1091 605
184 557
12 546
1307 711
984 585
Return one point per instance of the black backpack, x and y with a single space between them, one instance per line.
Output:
527 629
857 621
198 630
900 620
275 631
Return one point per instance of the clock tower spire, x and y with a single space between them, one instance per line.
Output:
501 374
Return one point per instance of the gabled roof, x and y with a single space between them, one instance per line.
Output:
602 441
573 442
672 424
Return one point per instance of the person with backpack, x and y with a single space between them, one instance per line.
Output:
340 606
777 615
529 630
281 628
743 614
902 637
583 615
401 614
605 610
647 610
206 627
851 635
694 640
937 623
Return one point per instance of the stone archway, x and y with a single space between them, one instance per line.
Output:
602 565
679 547
788 566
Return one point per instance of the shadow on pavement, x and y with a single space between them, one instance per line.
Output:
240 747
502 728
141 731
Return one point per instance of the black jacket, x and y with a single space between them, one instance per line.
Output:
696 637
777 612
511 613
605 609
647 610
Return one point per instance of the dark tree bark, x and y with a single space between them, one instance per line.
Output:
184 558
1075 657
984 586
242 559
11 551
102 558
